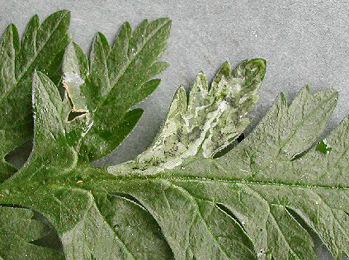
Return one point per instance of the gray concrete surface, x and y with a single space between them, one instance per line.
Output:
305 42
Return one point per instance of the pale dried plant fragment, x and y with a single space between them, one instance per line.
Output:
205 121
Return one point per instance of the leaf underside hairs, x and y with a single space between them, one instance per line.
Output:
182 198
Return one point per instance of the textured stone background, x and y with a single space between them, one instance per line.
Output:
305 42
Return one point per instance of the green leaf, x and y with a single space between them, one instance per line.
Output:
115 79
42 47
81 212
284 133
258 201
323 147
18 231
246 204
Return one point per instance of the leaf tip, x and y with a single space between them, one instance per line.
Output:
35 19
63 12
13 29
225 69
260 64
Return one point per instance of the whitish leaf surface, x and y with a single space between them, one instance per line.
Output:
205 122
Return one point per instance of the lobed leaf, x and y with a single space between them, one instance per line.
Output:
115 79
176 200
42 47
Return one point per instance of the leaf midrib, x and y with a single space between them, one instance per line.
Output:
193 178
